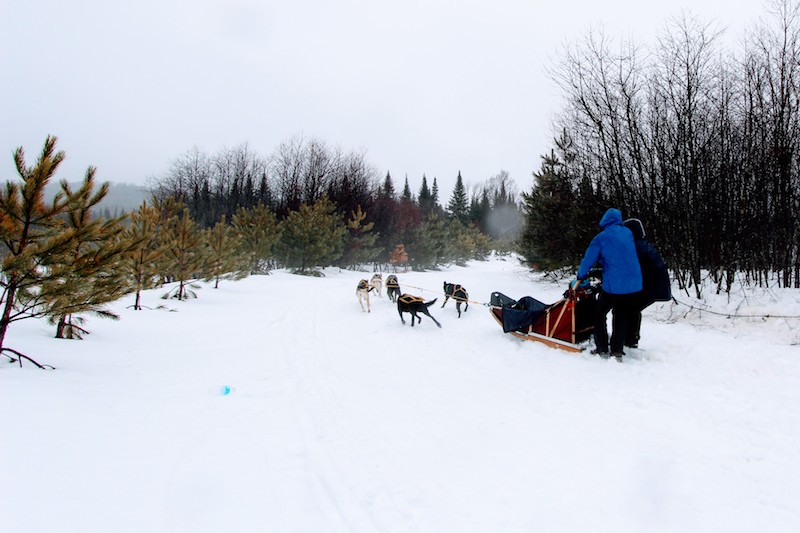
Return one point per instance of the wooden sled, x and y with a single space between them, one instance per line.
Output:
564 324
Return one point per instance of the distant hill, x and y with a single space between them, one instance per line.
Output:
124 197
121 197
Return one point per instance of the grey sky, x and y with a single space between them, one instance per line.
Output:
429 87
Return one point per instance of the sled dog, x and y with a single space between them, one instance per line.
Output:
362 293
413 305
376 283
392 288
457 293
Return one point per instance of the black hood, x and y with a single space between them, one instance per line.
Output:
636 227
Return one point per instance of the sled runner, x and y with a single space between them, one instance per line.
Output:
563 325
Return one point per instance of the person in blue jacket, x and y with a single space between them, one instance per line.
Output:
656 286
614 249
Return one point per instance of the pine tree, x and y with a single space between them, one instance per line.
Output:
260 233
312 236
184 254
90 274
360 240
225 259
458 206
432 246
142 263
435 195
35 240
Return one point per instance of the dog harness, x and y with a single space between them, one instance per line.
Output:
407 299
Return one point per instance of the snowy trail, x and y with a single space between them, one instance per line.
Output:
347 421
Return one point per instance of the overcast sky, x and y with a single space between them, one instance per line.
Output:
429 86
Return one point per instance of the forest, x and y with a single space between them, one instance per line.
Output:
698 140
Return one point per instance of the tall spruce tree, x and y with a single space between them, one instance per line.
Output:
387 190
548 240
458 207
424 198
407 196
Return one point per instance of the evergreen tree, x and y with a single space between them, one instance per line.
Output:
387 191
35 240
470 243
260 233
225 259
359 241
89 274
312 236
425 199
432 246
548 239
264 192
407 196
479 209
142 263
458 206
384 214
435 195
184 254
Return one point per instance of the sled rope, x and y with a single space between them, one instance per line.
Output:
729 315
452 297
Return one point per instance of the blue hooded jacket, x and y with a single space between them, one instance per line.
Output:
614 249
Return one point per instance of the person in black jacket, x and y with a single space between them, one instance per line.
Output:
656 286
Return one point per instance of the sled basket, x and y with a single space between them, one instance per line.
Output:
563 324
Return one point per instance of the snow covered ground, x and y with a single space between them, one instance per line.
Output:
344 421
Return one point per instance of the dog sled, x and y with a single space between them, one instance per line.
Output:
564 324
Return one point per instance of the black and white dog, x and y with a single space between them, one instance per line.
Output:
362 293
457 293
392 288
413 305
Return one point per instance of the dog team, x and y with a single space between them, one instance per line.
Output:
407 303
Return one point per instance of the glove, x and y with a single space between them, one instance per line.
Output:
579 284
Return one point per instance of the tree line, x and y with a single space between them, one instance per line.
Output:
300 173
699 142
